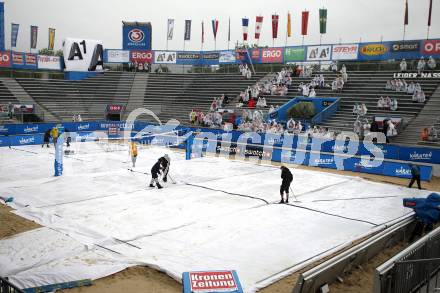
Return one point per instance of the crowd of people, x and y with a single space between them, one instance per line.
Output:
360 109
77 118
387 103
211 119
245 71
422 65
400 85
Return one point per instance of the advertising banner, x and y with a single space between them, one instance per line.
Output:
136 36
188 57
165 57
17 59
141 56
272 55
5 59
292 54
211 281
407 46
210 58
31 61
431 47
227 57
117 56
83 55
373 51
318 53
49 62
345 52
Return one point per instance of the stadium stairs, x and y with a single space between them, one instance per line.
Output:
169 96
173 96
362 87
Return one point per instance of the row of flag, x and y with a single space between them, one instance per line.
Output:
406 18
15 27
258 26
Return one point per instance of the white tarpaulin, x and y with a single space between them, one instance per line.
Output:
221 214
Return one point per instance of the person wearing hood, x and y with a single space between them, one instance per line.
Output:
287 179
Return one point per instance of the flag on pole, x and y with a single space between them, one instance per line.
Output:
245 24
322 21
430 13
51 38
304 22
170 30
405 21
229 30
275 19
14 34
34 36
258 25
203 33
215 28
289 25
187 35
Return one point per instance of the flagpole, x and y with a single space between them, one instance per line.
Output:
427 34
404 32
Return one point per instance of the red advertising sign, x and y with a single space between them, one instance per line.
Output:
141 56
31 59
272 55
255 55
221 281
431 47
17 58
5 59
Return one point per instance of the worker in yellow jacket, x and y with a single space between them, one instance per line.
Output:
133 152
54 133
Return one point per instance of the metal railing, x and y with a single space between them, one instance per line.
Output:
7 287
335 268
415 269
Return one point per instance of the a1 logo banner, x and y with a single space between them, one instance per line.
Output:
211 282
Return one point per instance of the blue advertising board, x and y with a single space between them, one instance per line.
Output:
136 36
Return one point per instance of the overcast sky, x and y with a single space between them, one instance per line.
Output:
347 21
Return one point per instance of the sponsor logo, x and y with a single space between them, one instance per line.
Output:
17 58
405 46
31 59
318 53
431 47
226 57
320 161
30 129
363 164
136 35
272 141
272 55
165 57
28 140
374 49
255 54
345 52
412 75
188 56
212 282
5 59
141 56
420 156
211 56
403 171
84 127
294 54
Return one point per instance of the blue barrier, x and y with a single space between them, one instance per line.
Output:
26 134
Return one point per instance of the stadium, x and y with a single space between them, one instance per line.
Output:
276 152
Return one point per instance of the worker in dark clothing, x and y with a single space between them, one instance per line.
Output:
46 138
287 177
162 165
415 175
69 138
